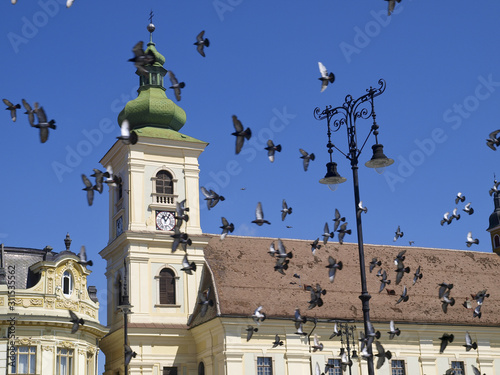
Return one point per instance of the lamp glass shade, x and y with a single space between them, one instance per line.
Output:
379 161
332 177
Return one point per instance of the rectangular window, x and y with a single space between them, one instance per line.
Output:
64 363
25 360
458 366
169 370
398 367
335 367
264 366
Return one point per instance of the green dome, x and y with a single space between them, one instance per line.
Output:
152 108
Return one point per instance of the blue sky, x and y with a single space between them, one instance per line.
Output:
440 62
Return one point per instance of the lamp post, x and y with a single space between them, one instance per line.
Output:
126 309
346 332
348 114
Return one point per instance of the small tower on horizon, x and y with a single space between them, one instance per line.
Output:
494 223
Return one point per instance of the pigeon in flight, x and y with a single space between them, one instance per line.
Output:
316 344
180 238
374 262
211 197
398 234
126 136
31 112
447 300
401 270
344 361
471 240
69 3
342 232
468 342
417 275
393 331
180 213
306 157
76 321
443 288
445 340
384 281
382 354
89 188
129 354
285 210
392 5
327 234
316 294
459 198
226 227
12 108
99 179
250 330
325 76
187 267
315 246
201 43
361 208
468 209
494 189
141 59
43 124
333 266
404 296
83 258
277 342
204 301
272 250
282 251
113 180
281 265
335 332
477 312
299 318
258 316
271 149
492 141
240 134
400 257
337 219
259 216
176 85
446 219
480 296
455 215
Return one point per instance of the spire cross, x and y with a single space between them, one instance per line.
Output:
151 14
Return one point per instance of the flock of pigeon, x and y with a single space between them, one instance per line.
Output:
448 219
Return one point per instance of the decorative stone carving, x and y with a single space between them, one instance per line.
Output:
48 348
49 303
24 342
66 344
35 302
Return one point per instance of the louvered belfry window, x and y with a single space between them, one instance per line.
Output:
167 287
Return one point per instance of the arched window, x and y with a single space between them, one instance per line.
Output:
164 183
201 369
497 240
67 283
167 287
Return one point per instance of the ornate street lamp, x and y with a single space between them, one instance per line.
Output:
126 309
348 114
346 332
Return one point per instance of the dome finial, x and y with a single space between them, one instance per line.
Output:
151 26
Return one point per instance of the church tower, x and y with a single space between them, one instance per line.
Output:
494 227
151 177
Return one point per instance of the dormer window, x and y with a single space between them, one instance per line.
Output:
67 284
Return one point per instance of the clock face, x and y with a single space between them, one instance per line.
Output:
119 226
165 220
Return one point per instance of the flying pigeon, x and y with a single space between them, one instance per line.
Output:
306 157
374 262
400 257
468 342
480 296
126 136
392 5
316 294
494 189
271 149
382 354
393 331
180 238
337 220
411 242
401 270
445 340
259 216
281 265
361 208
327 234
447 300
345 361
250 330
384 282
89 188
76 321
201 43
455 215
99 179
446 219
492 141
180 214
272 250
204 301
398 234
299 318
141 58
333 266
31 112
113 180
468 209
176 85
226 227
335 332
129 354
417 275
477 312
372 334
12 108
187 267
43 124
211 197
325 76
459 198
317 345
83 258
258 316
240 134
471 240
315 246
404 296
282 251
285 210
277 342
342 232
443 288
